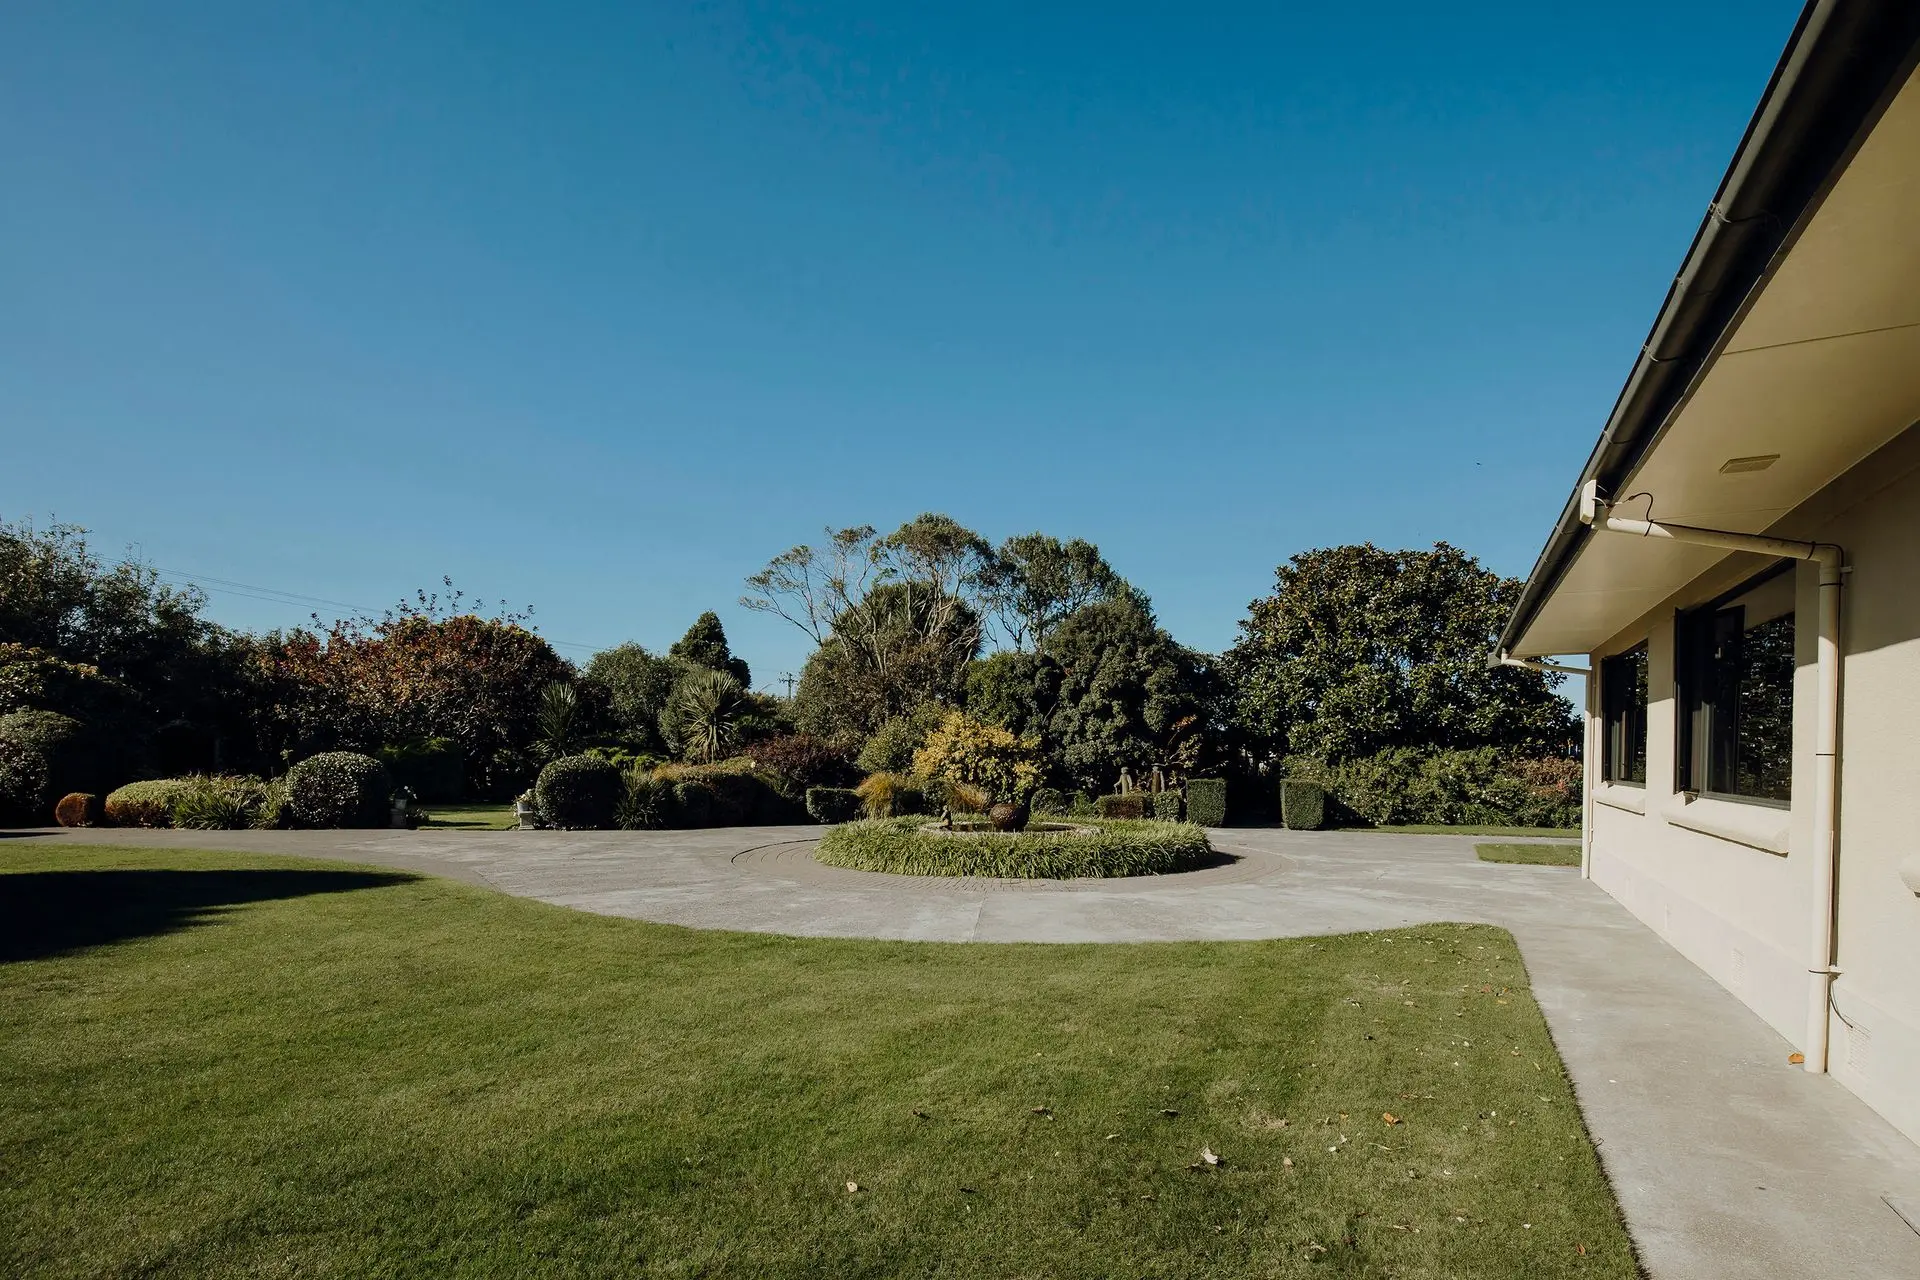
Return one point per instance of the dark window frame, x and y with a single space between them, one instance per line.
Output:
1700 723
1623 718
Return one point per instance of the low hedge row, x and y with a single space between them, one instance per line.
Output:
1419 785
900 846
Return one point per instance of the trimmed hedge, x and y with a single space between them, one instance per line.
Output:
1131 806
339 789
1207 801
1482 786
900 846
579 793
833 804
1303 804
78 809
144 804
1166 806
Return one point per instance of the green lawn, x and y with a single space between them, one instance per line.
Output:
1434 829
471 817
239 1065
1535 855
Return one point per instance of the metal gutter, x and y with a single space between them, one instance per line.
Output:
1843 65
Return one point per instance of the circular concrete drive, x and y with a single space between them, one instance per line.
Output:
1270 883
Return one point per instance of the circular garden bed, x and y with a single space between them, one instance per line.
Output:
912 847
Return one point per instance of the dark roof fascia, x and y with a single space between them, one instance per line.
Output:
1842 67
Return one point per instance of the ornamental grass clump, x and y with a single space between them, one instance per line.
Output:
910 846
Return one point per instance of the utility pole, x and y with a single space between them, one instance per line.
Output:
787 680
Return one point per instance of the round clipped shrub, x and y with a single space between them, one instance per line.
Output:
694 802
144 804
339 789
77 809
577 793
914 847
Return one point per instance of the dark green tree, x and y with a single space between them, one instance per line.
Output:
1036 581
1360 649
1128 696
705 645
633 686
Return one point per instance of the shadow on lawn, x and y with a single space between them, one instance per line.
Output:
44 913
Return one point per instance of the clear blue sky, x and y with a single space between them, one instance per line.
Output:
598 307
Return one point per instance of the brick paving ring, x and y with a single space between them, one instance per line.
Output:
793 860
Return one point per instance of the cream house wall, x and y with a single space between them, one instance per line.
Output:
1730 885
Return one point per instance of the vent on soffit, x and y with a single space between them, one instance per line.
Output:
1759 462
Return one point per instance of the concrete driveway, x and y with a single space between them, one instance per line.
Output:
1727 1161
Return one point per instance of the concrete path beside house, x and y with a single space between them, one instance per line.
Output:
1727 1161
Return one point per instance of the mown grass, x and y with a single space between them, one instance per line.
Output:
1099 847
471 817
237 1065
1533 855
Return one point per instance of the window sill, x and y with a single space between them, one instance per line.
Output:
1756 826
1615 796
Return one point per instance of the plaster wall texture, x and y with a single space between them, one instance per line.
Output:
1730 884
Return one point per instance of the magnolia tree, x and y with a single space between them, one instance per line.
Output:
1359 649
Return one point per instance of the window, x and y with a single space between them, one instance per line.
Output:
1735 666
1623 700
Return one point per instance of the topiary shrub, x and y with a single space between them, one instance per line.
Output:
1207 801
1303 805
1081 805
579 793
1132 805
963 750
339 789
23 784
143 804
1051 800
833 804
434 770
1166 806
77 809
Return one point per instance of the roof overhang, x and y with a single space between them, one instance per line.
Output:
1792 330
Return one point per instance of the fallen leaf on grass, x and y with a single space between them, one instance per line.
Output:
1206 1153
1286 1162
1112 1136
921 1114
852 1187
1389 1117
1168 1111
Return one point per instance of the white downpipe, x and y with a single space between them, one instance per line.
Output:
1826 747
